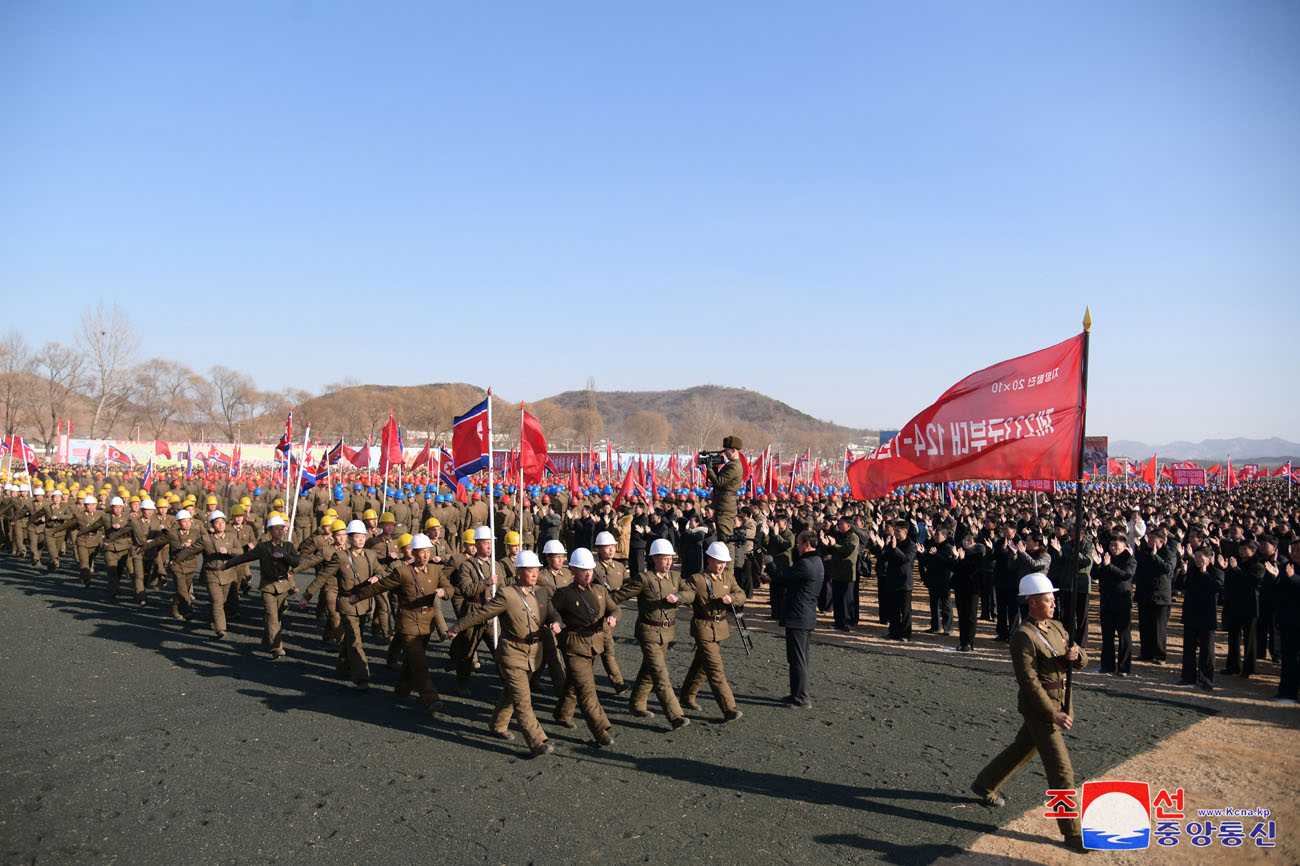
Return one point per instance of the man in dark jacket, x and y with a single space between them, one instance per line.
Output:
966 586
1244 577
1153 590
1201 585
1113 571
897 558
1288 626
841 547
940 557
800 585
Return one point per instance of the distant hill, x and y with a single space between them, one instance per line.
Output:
1259 450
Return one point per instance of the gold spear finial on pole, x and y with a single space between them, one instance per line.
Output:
1087 318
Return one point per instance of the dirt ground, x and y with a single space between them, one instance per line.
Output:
137 739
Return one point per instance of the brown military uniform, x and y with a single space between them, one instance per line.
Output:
90 534
184 549
655 629
710 628
472 591
349 570
419 612
223 585
275 561
523 617
386 549
612 575
583 612
317 552
145 532
552 580
1038 655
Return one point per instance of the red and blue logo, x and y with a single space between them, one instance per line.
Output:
1116 816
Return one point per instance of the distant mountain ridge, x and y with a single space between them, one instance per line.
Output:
1271 450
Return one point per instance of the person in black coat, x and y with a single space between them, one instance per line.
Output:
1005 584
1287 618
800 585
1153 589
940 557
966 586
1201 585
1244 577
1072 575
897 559
1113 572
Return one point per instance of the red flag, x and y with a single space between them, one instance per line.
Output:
1022 418
609 460
162 449
1167 472
654 483
673 478
1114 467
626 487
1232 476
424 458
358 457
462 495
1281 470
574 491
1214 470
817 473
390 445
1149 471
532 449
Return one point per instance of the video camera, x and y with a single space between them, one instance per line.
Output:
711 460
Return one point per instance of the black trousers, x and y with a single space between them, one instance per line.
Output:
1241 645
796 653
1289 654
1008 610
1116 627
1153 627
900 610
885 602
775 593
987 608
1074 615
967 615
1198 656
940 609
1267 644
840 592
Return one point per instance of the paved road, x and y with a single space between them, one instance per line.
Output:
137 740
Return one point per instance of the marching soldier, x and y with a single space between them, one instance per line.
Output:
90 535
275 558
657 593
475 581
524 612
59 515
145 528
317 552
184 543
552 578
506 563
714 593
612 574
218 547
588 614
117 543
36 523
349 569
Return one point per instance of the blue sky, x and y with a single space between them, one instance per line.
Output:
848 206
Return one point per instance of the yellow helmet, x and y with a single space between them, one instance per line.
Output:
388 518
245 501
369 514
467 537
338 526
238 510
211 500
432 522
121 490
277 502
134 497
328 519
404 540
512 537
331 512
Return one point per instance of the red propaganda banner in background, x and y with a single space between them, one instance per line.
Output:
1021 418
1187 477
1037 484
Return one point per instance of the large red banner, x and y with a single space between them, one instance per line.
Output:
1022 418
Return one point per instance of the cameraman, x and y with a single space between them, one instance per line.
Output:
726 480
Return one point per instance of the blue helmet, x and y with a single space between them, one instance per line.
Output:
257 491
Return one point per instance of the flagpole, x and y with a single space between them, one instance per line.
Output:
293 509
492 519
1078 504
520 503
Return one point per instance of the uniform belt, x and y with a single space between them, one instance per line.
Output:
668 624
526 641
715 617
1054 685
590 629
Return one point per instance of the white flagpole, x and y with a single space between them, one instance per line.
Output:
293 509
520 497
492 520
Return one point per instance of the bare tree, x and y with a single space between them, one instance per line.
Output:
233 397
15 378
164 394
59 370
701 420
648 429
588 424
109 341
198 408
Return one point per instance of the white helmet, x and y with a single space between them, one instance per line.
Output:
89 500
553 546
661 547
717 550
214 514
183 514
147 505
604 538
39 491
482 533
420 541
116 500
274 520
1035 584
356 527
527 559
581 558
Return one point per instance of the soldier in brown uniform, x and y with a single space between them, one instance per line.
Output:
90 534
1041 652
145 528
419 589
551 578
36 523
223 588
275 558
245 540
726 481
715 592
611 574
506 562
524 612
184 544
117 543
349 570
317 552
59 516
475 582
587 612
657 593
384 544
